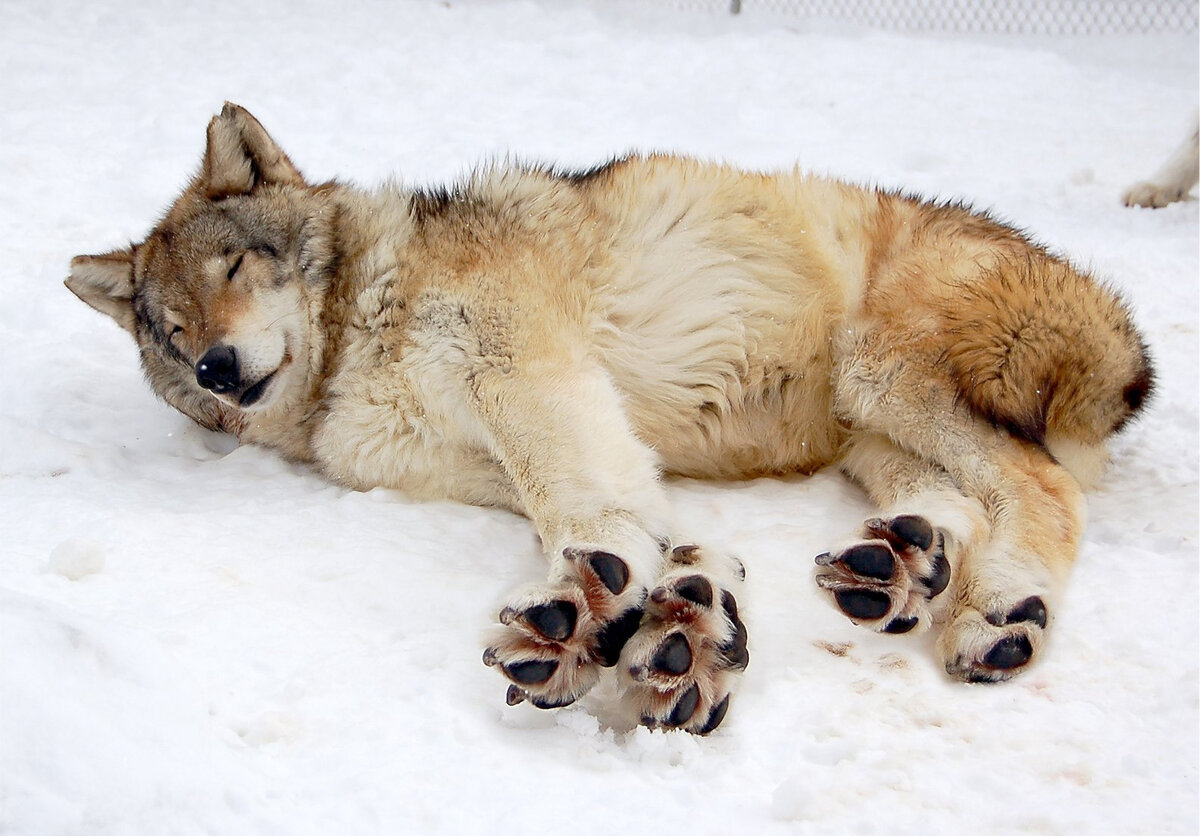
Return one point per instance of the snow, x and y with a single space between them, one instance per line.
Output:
198 638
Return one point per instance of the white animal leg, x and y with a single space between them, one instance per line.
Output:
591 488
1172 182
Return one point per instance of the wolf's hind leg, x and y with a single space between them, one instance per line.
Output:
1025 512
894 576
1012 582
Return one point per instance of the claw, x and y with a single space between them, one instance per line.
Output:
685 555
739 568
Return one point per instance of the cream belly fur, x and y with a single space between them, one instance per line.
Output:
552 342
726 373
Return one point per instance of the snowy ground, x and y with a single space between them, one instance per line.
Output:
201 639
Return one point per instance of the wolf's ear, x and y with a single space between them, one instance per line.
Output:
106 283
241 156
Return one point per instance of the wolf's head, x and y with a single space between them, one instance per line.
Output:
222 297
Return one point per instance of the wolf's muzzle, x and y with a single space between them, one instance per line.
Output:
218 370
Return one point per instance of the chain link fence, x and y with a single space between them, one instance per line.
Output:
1013 17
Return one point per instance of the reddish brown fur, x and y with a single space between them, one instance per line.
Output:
550 343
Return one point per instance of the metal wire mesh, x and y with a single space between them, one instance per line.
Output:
1021 17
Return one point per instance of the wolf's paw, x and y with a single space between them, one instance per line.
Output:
556 637
887 581
681 666
996 643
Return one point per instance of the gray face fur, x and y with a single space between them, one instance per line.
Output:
220 295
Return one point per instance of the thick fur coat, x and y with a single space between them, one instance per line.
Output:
553 342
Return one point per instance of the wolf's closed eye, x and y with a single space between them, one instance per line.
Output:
172 324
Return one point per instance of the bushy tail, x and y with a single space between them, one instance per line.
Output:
1043 350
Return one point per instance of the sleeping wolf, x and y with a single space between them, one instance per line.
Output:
553 342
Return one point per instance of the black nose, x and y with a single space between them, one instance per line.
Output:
218 369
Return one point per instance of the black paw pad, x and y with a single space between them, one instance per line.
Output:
674 655
1010 652
1032 609
914 530
531 673
867 604
610 569
870 560
715 716
940 578
697 589
686 707
555 621
615 634
545 703
901 625
729 604
735 651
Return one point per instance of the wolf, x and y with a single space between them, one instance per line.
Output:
554 342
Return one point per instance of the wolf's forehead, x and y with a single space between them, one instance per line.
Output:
194 240
177 258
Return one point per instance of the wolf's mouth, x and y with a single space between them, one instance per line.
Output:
251 395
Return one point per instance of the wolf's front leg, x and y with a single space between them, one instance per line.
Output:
682 664
556 636
592 489
681 647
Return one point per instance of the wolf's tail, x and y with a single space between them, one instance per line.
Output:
1046 351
